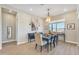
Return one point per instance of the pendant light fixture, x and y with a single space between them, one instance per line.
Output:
48 19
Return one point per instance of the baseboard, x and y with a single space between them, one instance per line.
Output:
0 47
8 41
61 40
72 42
19 43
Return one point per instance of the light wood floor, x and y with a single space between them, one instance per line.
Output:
28 49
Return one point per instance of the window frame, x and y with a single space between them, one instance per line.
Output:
55 22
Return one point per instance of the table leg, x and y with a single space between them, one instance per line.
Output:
56 39
47 47
64 37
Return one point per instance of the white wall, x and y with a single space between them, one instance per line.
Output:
23 21
40 25
71 35
22 24
0 29
78 25
23 27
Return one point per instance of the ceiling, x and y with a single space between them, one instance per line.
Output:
41 9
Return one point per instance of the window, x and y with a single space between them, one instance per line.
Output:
57 26
50 27
60 27
54 27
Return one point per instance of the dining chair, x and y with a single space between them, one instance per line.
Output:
39 41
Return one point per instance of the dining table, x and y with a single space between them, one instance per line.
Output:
51 39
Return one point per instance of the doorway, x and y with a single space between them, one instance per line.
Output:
8 26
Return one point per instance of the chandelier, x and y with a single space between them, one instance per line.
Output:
48 19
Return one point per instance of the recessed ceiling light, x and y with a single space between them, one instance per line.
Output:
30 9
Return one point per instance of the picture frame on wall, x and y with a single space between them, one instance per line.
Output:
71 26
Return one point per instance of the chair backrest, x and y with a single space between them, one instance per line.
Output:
31 36
38 38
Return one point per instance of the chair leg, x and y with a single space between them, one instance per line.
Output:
56 40
51 46
36 46
40 48
47 47
54 43
28 40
